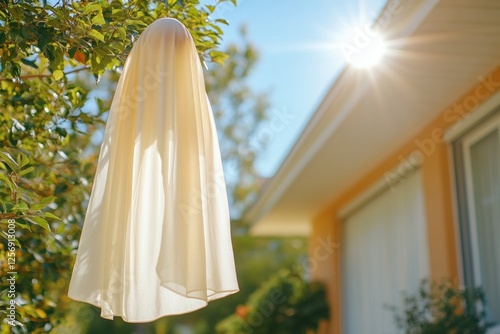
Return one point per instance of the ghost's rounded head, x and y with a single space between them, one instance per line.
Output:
166 29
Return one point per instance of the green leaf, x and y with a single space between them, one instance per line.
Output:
72 51
222 21
61 132
218 56
7 181
7 158
98 19
92 7
47 200
16 242
121 32
22 160
58 74
39 221
15 69
116 11
26 171
37 207
55 23
21 206
97 35
22 223
51 215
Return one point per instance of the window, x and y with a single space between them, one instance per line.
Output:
477 162
384 252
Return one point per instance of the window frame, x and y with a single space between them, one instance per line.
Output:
465 206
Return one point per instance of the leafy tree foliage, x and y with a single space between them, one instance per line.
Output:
229 92
96 34
49 119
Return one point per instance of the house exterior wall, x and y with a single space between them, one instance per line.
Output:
326 226
435 164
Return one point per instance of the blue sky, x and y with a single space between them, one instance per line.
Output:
300 58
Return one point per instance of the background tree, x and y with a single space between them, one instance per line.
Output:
239 111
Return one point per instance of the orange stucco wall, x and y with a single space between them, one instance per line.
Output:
435 168
324 228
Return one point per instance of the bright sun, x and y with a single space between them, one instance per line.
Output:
370 54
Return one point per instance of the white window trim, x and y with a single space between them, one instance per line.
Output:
469 140
455 132
470 120
456 214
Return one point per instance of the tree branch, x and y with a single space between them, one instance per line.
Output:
35 76
7 216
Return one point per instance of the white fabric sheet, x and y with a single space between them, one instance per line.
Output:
156 238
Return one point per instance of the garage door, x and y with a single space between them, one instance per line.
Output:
384 252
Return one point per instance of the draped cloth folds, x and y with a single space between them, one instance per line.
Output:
156 238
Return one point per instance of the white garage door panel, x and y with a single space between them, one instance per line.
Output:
384 252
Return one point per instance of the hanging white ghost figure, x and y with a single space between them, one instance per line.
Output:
156 239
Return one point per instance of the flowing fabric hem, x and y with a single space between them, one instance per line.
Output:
214 296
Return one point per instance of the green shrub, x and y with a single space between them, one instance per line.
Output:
442 309
284 304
